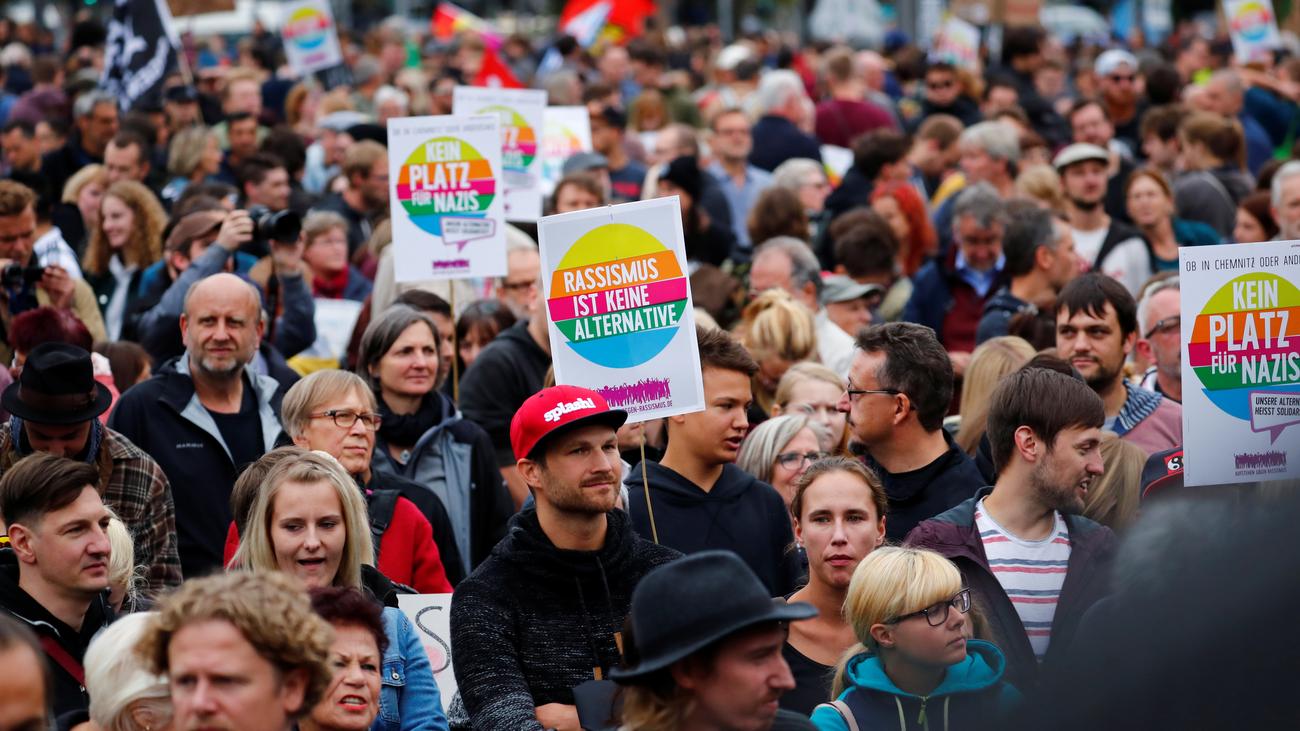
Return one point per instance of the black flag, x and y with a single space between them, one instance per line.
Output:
140 51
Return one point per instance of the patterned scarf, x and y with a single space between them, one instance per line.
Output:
1140 404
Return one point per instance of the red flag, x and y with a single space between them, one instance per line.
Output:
449 19
629 15
495 73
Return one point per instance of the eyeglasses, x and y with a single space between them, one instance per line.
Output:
1167 325
937 85
795 460
851 391
937 614
510 286
1118 78
346 419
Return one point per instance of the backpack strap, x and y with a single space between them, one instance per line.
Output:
64 660
381 504
845 712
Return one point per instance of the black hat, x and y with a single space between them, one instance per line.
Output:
181 94
684 172
687 605
57 386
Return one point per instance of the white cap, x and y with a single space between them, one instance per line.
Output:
1111 60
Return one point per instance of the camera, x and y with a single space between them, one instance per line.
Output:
16 276
275 227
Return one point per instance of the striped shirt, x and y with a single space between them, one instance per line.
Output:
1030 572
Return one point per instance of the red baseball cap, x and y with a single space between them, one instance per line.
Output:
555 408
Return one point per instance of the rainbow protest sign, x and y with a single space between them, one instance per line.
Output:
311 42
567 131
445 197
521 112
1241 362
618 302
1253 28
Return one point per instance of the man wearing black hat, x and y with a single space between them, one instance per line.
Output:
705 649
545 612
55 407
626 175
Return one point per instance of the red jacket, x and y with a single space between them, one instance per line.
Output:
407 553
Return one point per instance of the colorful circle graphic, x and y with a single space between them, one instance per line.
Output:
618 296
306 28
1252 21
1247 339
445 176
520 140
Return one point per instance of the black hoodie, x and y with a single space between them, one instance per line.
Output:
68 693
740 514
926 492
509 370
533 621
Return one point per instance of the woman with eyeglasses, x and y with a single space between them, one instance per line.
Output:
839 519
422 436
915 665
779 450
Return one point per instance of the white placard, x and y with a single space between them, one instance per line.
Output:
618 300
334 320
521 112
445 197
836 161
958 43
431 615
1252 25
567 131
1241 362
311 42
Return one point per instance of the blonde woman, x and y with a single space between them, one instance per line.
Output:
814 390
992 360
124 579
193 156
1113 498
126 240
85 189
1042 185
124 694
778 332
914 662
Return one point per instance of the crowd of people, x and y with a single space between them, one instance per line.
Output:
935 482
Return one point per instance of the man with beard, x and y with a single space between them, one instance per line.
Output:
1161 341
365 166
545 612
900 385
1096 326
1108 245
1033 565
205 415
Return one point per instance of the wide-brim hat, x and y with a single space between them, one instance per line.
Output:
57 386
683 607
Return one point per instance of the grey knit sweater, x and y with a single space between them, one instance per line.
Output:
533 621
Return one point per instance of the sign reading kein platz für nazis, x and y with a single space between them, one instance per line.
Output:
1241 362
444 178
617 294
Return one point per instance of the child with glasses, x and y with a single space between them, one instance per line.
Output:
915 664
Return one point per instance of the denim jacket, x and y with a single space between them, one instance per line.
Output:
408 697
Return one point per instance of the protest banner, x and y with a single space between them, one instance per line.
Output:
141 48
311 41
567 132
618 305
1253 28
431 615
445 197
958 43
521 112
836 161
1241 362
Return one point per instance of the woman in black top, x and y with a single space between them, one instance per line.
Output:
839 511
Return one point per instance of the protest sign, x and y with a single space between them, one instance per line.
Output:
1253 28
619 309
445 197
521 112
836 161
567 132
431 615
311 42
1241 362
958 43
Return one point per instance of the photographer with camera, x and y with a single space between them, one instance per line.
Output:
204 243
26 282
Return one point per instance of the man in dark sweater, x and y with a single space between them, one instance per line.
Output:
545 612
697 498
900 385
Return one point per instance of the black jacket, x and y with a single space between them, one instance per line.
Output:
163 417
740 514
922 494
964 108
998 312
68 693
533 621
777 139
509 370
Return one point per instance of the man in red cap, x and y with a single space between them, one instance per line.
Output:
544 612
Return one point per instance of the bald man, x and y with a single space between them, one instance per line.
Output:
205 415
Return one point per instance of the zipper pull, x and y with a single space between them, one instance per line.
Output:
920 717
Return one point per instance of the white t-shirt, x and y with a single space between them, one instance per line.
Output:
1030 572
1127 262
